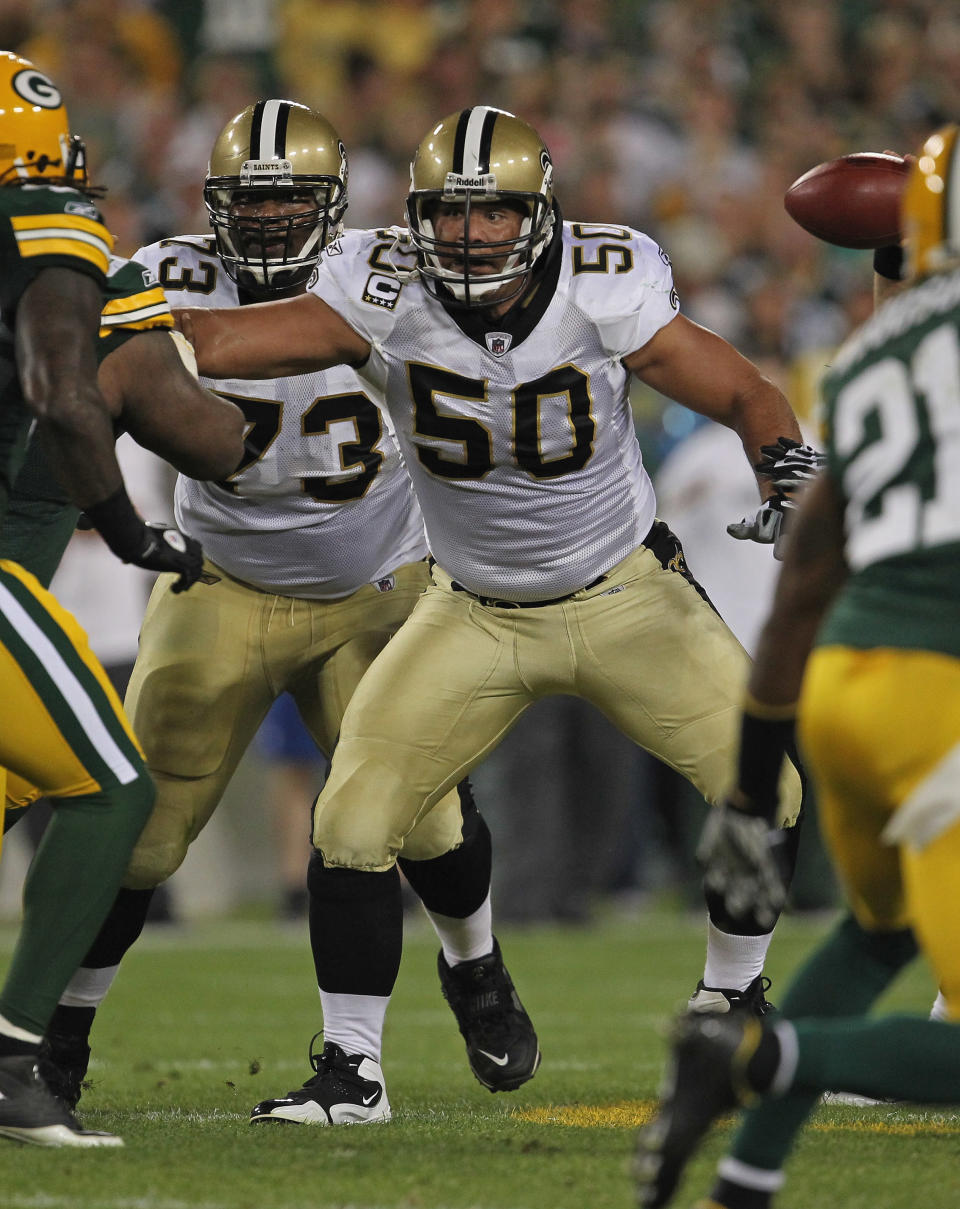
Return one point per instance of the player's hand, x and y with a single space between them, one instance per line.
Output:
789 465
165 548
764 527
739 854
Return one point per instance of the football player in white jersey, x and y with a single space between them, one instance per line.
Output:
316 554
503 340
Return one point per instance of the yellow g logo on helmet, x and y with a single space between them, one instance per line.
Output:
35 140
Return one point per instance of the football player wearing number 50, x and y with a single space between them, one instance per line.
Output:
504 352
316 555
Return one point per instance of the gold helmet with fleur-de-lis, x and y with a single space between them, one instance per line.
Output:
481 154
282 150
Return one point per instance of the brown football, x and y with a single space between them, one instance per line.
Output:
852 201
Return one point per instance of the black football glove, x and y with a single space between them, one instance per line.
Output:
789 464
165 548
739 854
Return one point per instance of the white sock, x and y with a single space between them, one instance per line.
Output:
733 961
465 939
354 1022
19 1034
940 1011
747 1176
88 987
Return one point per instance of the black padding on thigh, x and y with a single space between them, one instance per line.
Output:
356 928
456 883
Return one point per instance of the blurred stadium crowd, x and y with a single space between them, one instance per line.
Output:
684 118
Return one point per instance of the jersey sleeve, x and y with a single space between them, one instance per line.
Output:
135 301
49 228
361 278
626 282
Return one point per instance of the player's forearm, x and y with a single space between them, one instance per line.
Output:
760 414
56 330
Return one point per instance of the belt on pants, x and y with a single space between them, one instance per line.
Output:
495 603
657 531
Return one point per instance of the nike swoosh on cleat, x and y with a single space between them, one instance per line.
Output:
495 1058
368 1100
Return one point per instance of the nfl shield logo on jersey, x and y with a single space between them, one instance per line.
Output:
498 342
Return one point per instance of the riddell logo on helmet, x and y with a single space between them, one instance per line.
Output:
456 182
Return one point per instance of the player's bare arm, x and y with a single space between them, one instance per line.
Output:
813 571
197 432
702 371
270 339
57 322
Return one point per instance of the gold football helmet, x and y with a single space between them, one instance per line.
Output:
480 154
284 152
35 140
931 205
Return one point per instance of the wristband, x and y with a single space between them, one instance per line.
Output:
119 525
763 744
888 262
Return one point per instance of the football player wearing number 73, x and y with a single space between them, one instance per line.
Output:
503 340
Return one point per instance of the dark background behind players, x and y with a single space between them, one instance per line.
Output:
780 89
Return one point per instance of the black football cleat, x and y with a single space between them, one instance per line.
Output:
705 1077
347 1089
30 1112
63 1063
501 1043
720 1000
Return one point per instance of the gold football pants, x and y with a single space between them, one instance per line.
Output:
63 732
643 646
211 663
880 730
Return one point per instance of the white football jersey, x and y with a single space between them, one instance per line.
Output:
519 437
321 504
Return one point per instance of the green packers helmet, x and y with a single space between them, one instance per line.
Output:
279 150
931 205
35 139
480 154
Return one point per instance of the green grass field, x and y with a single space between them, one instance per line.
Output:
205 1021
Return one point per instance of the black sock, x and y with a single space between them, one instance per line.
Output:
71 1021
729 1195
356 928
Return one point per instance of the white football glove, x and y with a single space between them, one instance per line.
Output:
789 465
739 855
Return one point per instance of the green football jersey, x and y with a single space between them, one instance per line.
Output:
40 227
892 428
